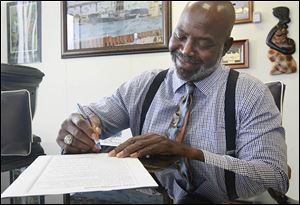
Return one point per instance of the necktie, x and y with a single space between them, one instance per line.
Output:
177 132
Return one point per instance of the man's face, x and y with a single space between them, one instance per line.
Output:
196 46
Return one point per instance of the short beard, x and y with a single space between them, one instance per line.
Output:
198 74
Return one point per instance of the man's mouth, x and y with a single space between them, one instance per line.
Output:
185 62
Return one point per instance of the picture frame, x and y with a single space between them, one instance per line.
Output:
243 11
102 28
24 32
238 55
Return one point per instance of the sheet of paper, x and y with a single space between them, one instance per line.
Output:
59 174
116 140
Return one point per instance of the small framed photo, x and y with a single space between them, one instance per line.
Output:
238 55
243 11
101 28
24 32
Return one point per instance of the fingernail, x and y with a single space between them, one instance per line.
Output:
112 153
120 154
98 130
134 155
94 136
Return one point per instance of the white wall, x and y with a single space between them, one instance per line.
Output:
68 81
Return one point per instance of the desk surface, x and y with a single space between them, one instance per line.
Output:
134 196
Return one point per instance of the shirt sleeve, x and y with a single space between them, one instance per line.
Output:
122 109
261 155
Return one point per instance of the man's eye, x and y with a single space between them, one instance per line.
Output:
205 45
179 36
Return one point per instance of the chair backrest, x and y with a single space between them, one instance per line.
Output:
16 130
277 89
17 77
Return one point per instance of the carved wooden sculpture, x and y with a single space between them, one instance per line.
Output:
281 47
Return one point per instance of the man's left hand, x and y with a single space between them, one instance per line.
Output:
149 144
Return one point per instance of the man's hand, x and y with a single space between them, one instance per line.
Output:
149 144
82 132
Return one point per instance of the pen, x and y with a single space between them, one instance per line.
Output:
86 117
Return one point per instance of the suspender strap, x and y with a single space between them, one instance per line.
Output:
159 78
230 128
230 123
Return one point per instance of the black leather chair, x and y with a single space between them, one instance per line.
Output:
16 77
272 196
278 90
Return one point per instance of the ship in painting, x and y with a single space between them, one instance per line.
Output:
109 11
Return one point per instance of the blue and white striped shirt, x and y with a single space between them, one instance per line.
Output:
261 159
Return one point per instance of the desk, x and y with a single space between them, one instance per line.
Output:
128 196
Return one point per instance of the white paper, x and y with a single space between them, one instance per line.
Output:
116 140
60 174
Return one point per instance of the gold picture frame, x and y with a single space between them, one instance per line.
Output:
238 55
243 11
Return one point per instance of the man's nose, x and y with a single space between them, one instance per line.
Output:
188 48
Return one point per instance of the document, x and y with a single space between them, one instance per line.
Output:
60 174
117 140
114 141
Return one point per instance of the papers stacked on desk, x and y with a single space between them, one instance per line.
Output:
60 174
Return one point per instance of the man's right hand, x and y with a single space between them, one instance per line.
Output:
82 132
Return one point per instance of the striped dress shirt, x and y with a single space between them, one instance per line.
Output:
261 158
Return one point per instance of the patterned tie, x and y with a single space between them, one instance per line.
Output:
177 131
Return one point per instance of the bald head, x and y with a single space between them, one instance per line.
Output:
201 38
218 15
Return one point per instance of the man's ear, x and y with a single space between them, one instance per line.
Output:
227 45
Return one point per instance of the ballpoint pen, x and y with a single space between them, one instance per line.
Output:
86 117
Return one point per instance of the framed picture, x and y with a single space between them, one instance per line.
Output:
238 55
24 32
98 28
243 11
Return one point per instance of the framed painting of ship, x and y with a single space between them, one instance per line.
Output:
101 28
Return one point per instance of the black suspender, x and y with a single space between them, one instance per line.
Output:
230 121
150 95
230 129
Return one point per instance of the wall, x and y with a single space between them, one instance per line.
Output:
83 80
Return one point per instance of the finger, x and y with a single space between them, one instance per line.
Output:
146 151
122 146
119 151
164 146
71 150
82 124
139 144
119 148
66 148
81 140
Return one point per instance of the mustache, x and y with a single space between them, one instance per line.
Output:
186 58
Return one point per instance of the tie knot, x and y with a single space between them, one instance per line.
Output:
190 86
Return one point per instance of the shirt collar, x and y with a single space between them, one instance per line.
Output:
205 86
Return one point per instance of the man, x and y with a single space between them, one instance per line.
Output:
197 45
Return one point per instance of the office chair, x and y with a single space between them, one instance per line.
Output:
18 101
278 90
272 196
